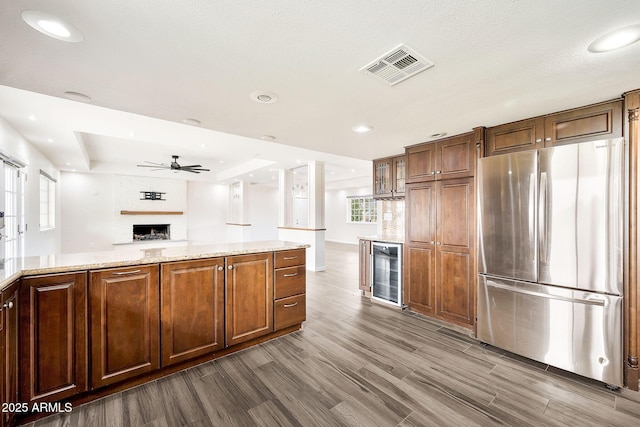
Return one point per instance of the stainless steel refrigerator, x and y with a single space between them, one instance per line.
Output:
551 255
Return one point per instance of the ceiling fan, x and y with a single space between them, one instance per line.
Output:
174 166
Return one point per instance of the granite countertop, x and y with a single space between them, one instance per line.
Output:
384 238
123 256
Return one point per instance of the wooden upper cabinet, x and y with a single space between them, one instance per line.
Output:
456 157
389 177
421 162
447 158
518 136
192 311
124 323
53 327
592 123
249 297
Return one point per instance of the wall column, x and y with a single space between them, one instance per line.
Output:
314 233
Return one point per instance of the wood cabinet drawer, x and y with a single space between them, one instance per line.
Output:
290 281
289 258
289 311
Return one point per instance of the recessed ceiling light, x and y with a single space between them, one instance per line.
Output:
49 140
362 128
52 26
616 39
131 134
268 137
263 96
192 122
77 96
438 135
32 117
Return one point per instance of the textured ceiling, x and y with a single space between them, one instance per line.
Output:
495 61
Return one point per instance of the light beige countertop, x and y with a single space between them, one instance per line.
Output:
15 268
384 238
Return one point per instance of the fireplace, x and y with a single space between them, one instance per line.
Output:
142 232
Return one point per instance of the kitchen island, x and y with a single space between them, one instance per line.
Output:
80 326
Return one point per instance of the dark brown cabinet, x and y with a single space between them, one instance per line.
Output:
289 294
365 265
124 323
389 176
53 329
192 309
600 121
249 297
439 254
9 344
448 158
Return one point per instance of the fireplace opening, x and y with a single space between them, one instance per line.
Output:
151 232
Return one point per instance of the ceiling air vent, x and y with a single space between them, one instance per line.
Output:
397 65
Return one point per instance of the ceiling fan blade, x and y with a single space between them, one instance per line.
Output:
190 166
190 170
152 166
196 169
153 163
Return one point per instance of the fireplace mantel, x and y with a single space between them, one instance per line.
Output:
151 212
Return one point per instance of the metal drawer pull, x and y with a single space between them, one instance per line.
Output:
290 305
9 305
290 257
290 275
124 273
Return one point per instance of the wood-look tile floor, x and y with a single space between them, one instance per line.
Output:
358 363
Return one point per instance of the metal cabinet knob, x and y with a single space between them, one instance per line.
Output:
432 242
230 267
7 305
539 140
438 172
548 139
437 243
220 268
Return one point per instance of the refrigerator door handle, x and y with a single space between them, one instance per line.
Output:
592 300
542 217
532 217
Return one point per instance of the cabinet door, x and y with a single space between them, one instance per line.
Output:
421 162
419 259
455 271
382 178
9 359
517 136
456 157
602 121
249 297
124 323
192 300
365 265
53 325
399 175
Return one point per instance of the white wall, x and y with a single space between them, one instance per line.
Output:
338 229
263 212
207 207
14 145
88 220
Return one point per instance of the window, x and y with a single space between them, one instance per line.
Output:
47 202
361 209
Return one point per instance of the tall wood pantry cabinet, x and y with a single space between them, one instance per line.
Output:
439 259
